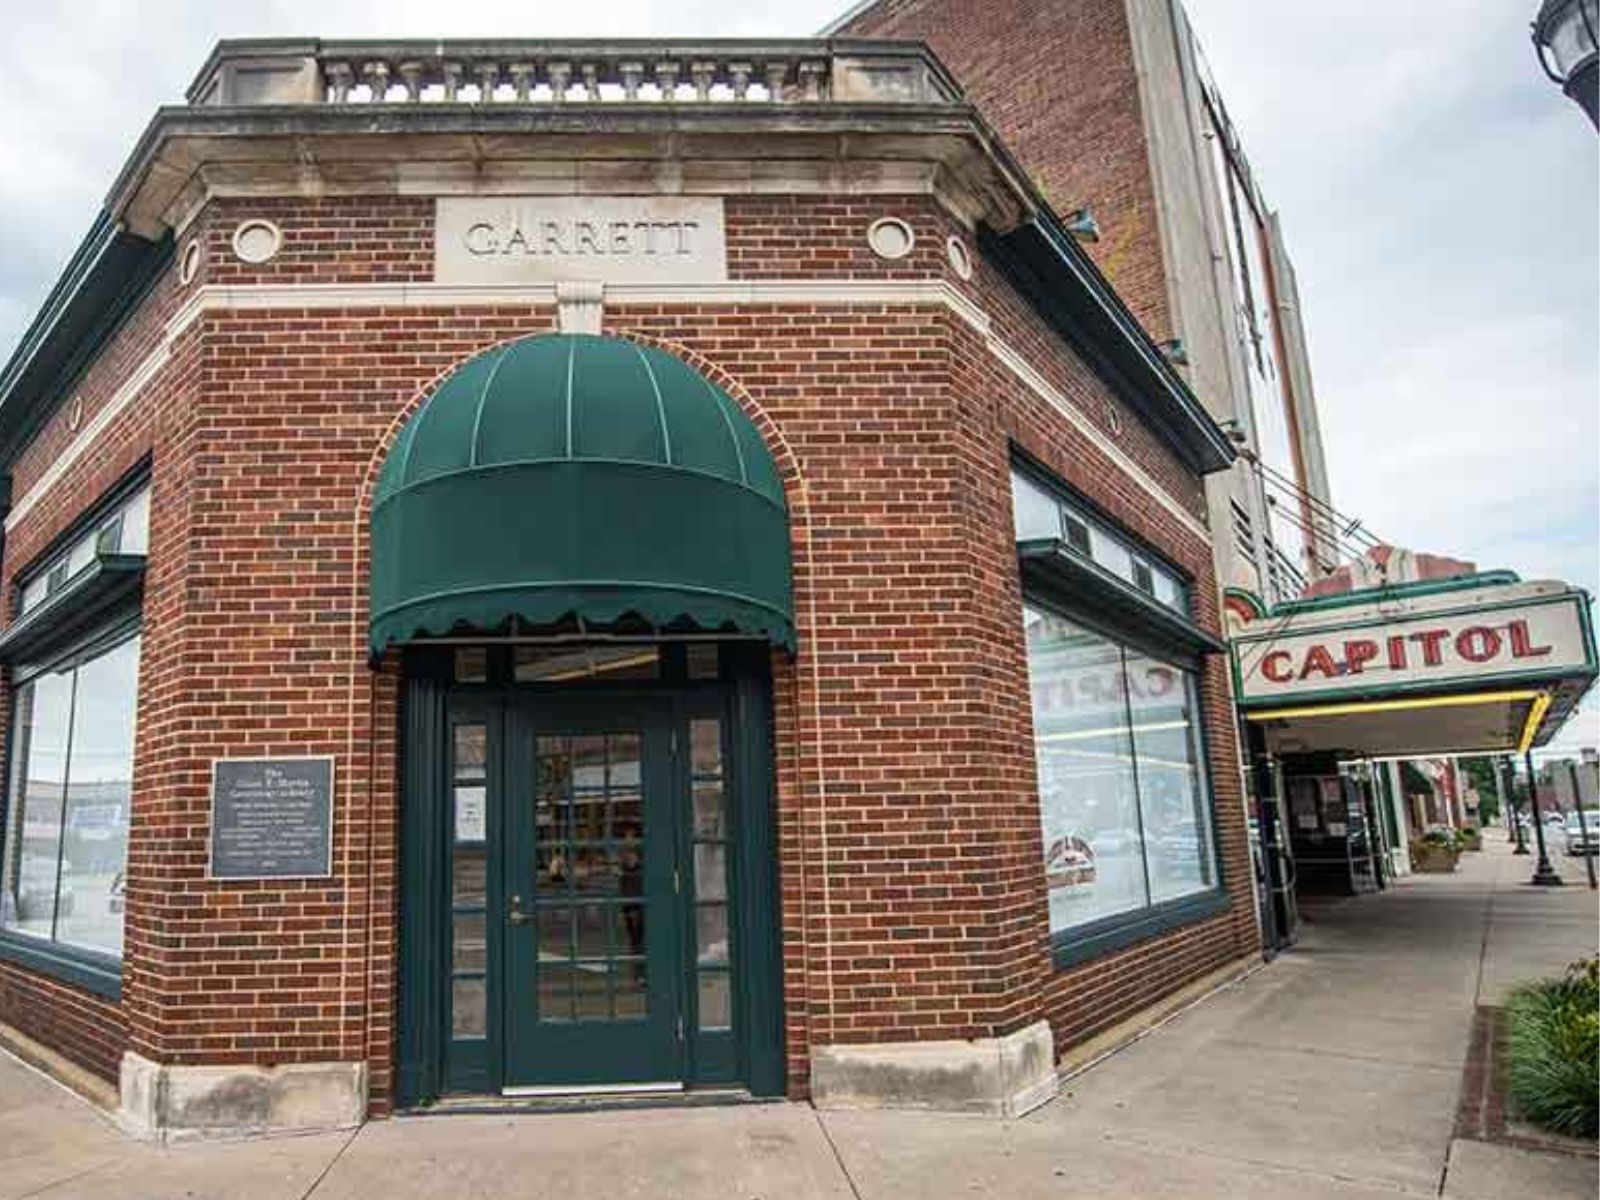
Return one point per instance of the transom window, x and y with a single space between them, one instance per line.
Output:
1042 513
125 530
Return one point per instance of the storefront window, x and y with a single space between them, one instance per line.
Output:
66 829
1122 806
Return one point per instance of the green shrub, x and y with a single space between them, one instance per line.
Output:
1554 1048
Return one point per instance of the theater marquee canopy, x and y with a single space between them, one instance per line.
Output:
1475 665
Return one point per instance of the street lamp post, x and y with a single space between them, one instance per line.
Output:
1544 875
1583 823
1502 767
1566 37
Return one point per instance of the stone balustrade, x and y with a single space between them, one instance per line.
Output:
245 73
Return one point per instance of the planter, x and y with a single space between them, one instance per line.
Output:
1434 860
1471 839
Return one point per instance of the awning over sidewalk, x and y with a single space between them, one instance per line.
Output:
1482 664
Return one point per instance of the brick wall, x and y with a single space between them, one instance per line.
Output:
912 899
1056 80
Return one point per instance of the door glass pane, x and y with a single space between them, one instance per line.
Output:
710 872
709 818
555 992
624 750
711 934
591 913
705 741
629 991
469 878
589 816
467 1007
716 1007
591 991
555 934
471 751
589 763
471 814
472 664
702 660
630 919
552 876
571 664
470 943
593 930
594 870
627 816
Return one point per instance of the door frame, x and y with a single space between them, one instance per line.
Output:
742 692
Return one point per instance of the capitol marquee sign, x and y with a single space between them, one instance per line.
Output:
604 239
1447 650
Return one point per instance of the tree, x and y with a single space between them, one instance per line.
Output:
1480 772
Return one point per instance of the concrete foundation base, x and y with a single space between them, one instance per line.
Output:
1001 1077
175 1103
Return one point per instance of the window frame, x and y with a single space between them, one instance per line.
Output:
53 556
92 970
1081 943
1070 502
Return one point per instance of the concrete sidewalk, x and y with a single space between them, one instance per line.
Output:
1333 1072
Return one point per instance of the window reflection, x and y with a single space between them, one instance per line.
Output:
1094 855
1177 839
1122 806
71 789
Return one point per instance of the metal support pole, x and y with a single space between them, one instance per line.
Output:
1502 766
1583 825
1544 875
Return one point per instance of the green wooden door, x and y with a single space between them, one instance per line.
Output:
594 949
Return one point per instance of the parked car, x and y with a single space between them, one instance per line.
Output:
1583 838
36 889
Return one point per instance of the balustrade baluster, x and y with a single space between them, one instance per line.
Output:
488 79
377 76
521 74
777 73
450 73
667 79
340 78
632 75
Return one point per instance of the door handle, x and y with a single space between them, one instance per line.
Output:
516 916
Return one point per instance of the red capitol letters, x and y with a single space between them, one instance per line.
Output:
1474 644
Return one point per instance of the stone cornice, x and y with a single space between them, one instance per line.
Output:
715 149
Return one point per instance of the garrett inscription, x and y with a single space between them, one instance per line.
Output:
645 239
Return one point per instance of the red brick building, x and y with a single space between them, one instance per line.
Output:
541 567
1112 109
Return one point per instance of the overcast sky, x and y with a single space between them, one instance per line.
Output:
1440 200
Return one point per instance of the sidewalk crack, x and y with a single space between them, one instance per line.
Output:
837 1157
333 1162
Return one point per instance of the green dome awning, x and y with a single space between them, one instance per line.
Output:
572 476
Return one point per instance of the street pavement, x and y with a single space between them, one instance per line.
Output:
1332 1073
